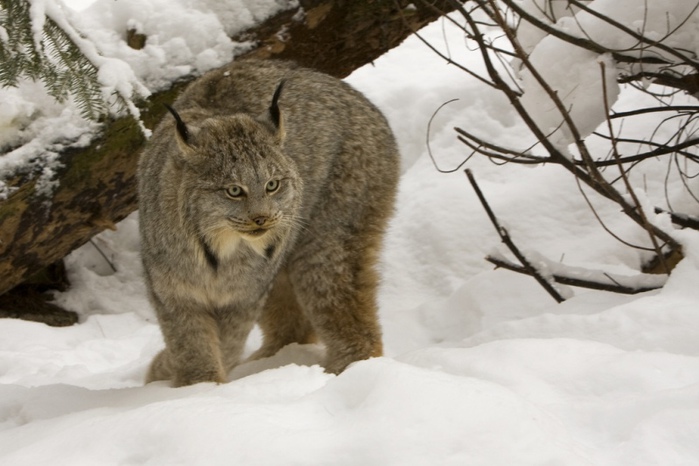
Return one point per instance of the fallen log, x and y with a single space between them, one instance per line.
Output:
97 184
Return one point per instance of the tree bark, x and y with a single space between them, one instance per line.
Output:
97 184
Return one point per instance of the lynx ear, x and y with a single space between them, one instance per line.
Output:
184 137
274 114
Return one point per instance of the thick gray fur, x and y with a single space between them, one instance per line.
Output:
298 257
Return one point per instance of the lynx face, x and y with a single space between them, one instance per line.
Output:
238 185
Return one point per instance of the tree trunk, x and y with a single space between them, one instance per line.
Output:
98 183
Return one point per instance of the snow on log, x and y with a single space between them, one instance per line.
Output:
96 185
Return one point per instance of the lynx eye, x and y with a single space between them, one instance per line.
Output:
272 185
235 192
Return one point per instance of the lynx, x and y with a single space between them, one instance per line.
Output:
264 200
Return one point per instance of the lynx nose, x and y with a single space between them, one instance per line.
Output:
261 220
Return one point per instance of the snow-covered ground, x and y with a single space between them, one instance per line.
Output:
482 367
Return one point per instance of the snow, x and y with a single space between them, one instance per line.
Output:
183 37
482 367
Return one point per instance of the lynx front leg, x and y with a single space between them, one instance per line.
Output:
282 320
336 286
192 351
235 326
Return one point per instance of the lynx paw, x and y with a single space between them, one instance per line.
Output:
197 376
162 369
337 360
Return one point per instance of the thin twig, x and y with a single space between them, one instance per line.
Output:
662 149
104 256
667 108
604 225
629 189
434 49
505 237
499 149
429 147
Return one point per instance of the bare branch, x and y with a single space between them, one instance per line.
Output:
683 220
681 145
692 109
640 37
585 43
446 58
629 189
614 283
662 149
505 237
687 83
604 225
515 154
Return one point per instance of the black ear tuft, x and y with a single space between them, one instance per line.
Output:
181 127
274 113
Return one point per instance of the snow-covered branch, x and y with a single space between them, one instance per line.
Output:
561 65
591 279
